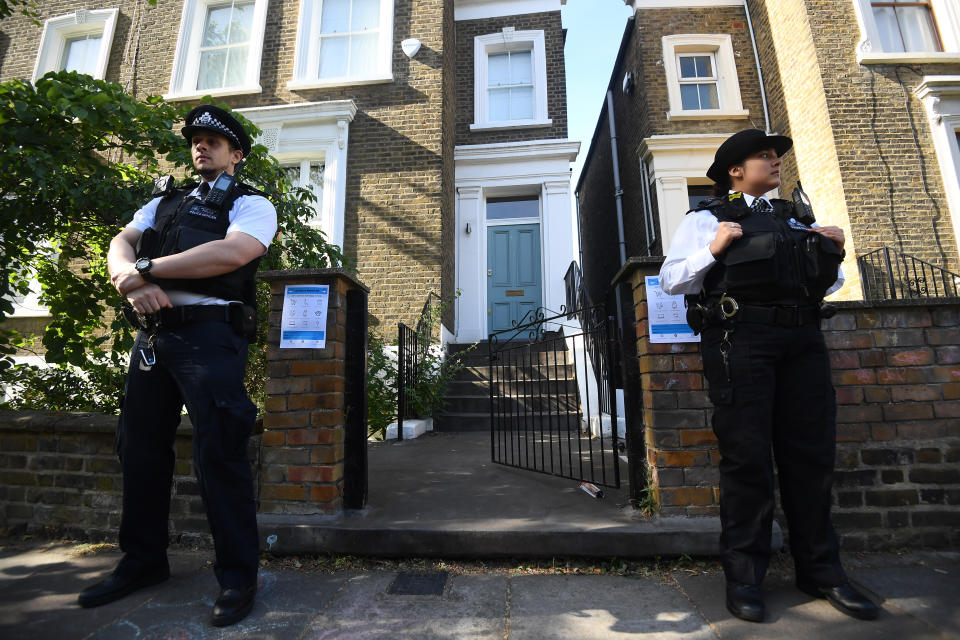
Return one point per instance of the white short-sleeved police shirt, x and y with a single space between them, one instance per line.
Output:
250 214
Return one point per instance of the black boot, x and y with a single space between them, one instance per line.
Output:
233 605
745 601
121 583
844 598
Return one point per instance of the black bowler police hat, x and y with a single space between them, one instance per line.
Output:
740 145
210 118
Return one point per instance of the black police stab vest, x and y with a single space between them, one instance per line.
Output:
776 261
184 222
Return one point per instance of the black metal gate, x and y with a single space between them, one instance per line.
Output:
552 405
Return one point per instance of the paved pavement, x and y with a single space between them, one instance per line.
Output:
322 597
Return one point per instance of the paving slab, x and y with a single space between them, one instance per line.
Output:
929 592
39 583
600 608
46 580
793 614
470 607
284 607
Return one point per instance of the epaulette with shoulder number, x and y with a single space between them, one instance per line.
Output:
162 186
166 186
710 203
248 190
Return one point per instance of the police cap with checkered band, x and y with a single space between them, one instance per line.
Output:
210 118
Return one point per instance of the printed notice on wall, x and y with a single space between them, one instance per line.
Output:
667 315
303 323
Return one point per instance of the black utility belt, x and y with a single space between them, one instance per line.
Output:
242 318
785 316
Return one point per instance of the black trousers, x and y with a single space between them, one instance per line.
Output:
201 366
777 396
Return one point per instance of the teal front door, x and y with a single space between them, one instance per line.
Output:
514 282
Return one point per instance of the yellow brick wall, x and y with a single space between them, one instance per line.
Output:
864 149
398 164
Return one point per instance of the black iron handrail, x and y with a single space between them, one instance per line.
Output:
887 274
578 298
411 351
412 346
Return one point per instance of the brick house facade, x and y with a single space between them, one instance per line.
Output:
875 146
875 131
373 130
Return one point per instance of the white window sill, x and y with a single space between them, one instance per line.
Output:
22 312
511 124
299 85
229 91
708 114
912 57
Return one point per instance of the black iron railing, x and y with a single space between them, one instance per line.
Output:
412 346
581 308
887 274
411 349
544 409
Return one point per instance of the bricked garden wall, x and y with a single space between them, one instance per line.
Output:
896 369
59 474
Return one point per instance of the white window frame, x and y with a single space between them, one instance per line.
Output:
725 70
941 97
29 306
186 59
946 13
509 40
82 22
306 59
698 80
312 132
325 219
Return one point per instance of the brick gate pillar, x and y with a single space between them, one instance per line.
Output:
681 449
315 424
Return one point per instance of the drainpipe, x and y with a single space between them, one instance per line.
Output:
576 198
756 56
617 190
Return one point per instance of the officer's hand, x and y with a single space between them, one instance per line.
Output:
149 299
726 234
127 280
834 233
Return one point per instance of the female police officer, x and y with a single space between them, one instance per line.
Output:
754 275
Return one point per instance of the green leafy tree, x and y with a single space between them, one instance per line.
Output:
27 8
77 158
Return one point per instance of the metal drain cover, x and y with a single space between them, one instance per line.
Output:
418 584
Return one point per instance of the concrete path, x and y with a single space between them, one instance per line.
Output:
440 495
308 597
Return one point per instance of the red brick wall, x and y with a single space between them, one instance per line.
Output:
896 369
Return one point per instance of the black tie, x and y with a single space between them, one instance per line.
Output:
760 206
203 190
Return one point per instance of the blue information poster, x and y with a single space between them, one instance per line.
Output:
667 315
304 318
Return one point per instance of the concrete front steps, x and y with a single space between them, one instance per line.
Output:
540 389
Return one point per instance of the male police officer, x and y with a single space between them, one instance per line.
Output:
755 271
186 264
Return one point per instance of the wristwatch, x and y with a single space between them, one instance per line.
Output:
143 266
